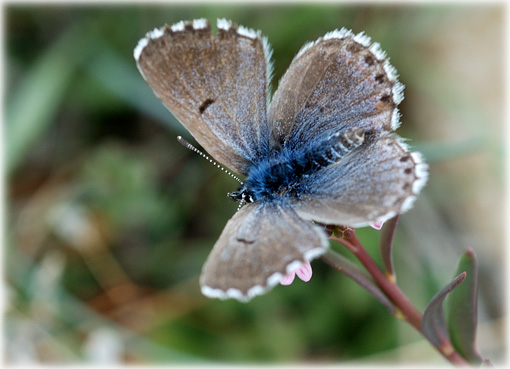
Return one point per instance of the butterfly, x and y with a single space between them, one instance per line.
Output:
322 150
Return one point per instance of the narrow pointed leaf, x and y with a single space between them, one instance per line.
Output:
386 244
433 324
33 104
359 276
461 310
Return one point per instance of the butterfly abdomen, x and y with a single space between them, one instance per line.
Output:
281 176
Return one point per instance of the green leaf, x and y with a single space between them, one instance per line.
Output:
433 324
461 310
34 104
386 244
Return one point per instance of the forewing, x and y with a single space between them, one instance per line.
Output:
215 85
336 83
259 245
369 185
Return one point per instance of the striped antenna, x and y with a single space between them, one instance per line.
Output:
240 205
187 145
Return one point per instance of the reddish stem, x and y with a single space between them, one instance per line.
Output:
409 312
390 288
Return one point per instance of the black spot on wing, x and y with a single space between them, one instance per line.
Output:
205 105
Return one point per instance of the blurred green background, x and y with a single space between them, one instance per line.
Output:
109 219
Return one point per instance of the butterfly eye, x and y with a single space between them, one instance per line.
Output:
242 195
236 195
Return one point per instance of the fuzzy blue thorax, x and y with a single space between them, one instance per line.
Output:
280 175
277 176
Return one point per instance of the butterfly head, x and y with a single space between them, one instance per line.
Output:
242 195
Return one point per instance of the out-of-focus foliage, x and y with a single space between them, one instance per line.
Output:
109 220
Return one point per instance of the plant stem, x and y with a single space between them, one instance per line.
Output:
388 285
408 311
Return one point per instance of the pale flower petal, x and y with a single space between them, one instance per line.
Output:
287 279
377 225
304 272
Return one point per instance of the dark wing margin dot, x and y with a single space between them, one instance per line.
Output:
386 99
379 78
370 60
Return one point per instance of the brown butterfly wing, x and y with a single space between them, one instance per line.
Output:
369 185
215 85
334 84
259 245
